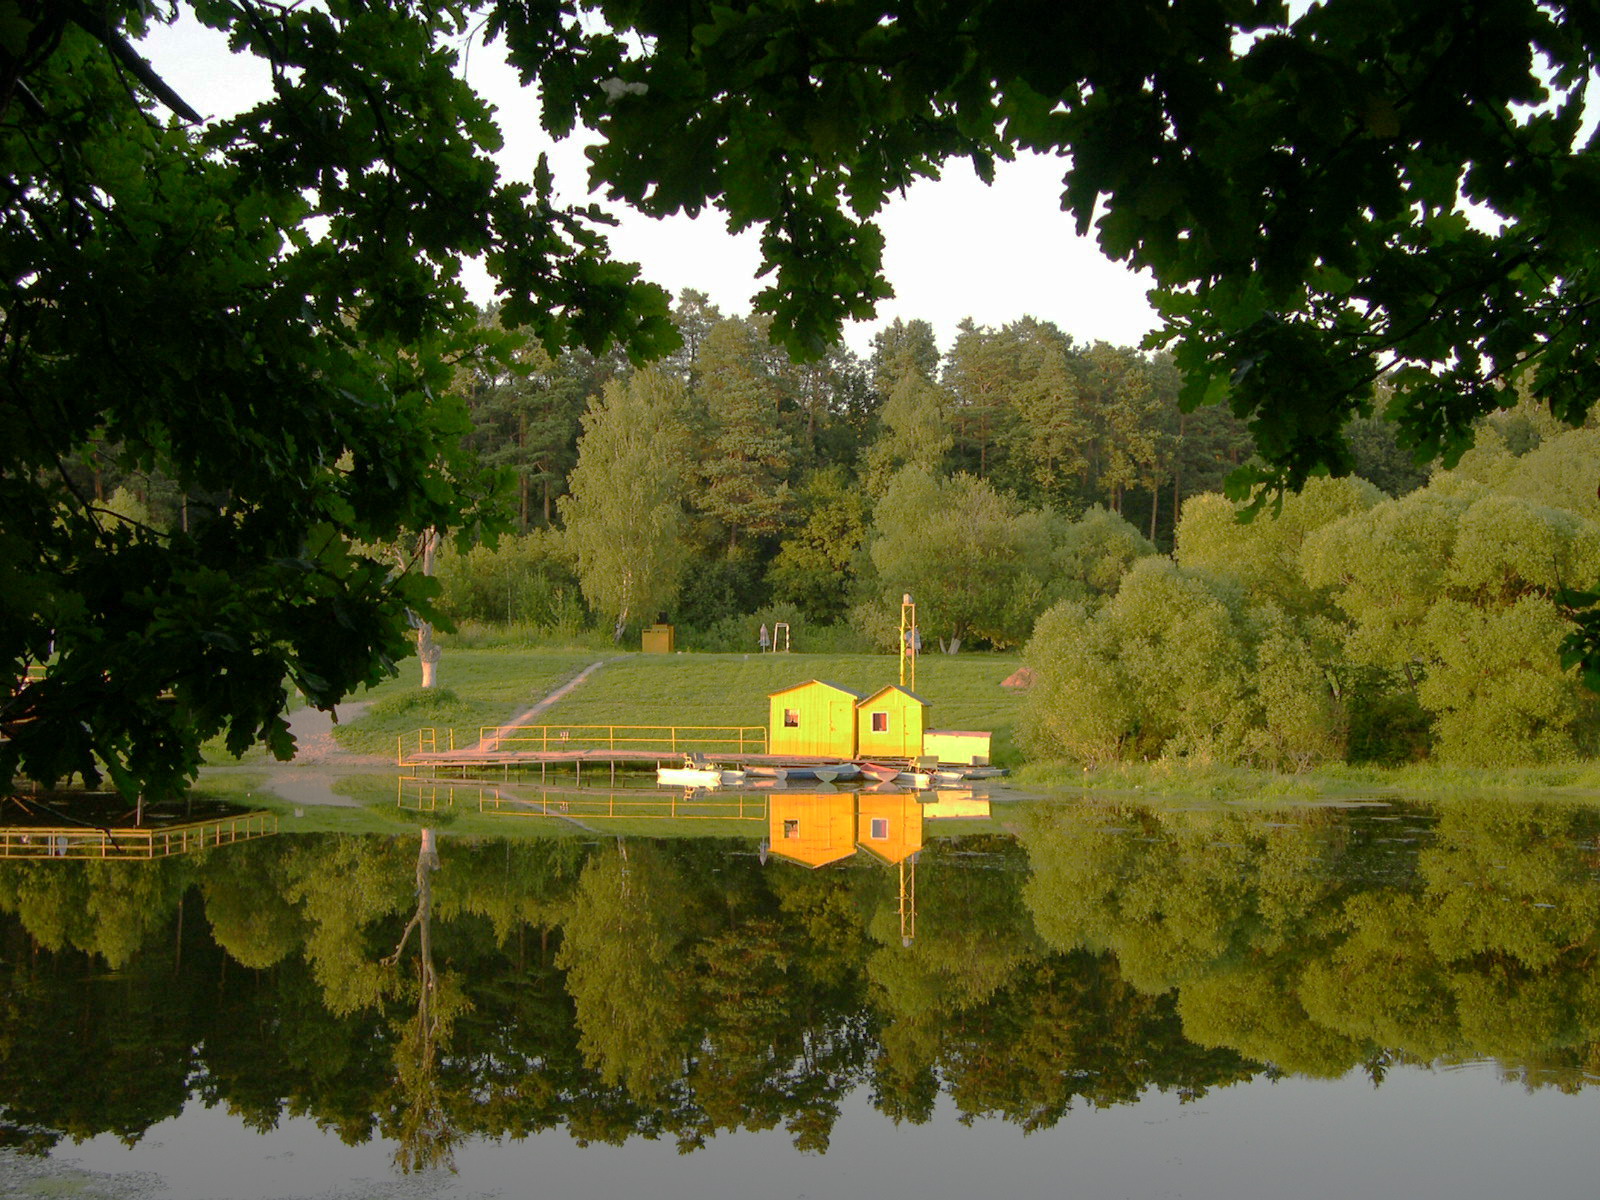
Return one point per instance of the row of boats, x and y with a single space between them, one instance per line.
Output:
700 774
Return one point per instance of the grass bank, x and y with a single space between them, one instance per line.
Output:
485 687
1185 779
477 687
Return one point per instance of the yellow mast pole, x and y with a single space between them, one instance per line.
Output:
908 639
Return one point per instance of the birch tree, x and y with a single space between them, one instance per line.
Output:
624 515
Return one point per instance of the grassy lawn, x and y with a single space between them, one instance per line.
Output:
477 688
731 689
487 686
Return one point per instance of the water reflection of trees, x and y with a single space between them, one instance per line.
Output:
682 989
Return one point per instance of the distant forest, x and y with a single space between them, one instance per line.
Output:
1031 491
811 487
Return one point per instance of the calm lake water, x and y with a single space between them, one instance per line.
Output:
830 994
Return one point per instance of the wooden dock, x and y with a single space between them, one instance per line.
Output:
502 749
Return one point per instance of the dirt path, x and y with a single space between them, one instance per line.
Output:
526 716
313 732
319 761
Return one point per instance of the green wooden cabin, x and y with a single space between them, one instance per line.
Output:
813 719
890 723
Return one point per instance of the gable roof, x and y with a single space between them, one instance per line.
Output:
851 692
895 687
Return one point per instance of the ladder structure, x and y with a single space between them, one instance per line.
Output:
910 643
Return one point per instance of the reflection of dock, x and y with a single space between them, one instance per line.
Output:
582 803
136 841
824 819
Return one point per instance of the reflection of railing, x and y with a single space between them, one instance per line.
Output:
636 804
79 841
630 806
665 739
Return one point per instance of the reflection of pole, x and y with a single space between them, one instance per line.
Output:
908 901
910 643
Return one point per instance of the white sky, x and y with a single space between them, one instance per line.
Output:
954 248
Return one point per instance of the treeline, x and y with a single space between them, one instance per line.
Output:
1348 625
728 485
682 988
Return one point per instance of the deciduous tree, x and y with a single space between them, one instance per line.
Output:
625 517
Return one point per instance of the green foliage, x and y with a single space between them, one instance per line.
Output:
812 568
1179 662
743 470
1293 179
625 517
972 558
1093 554
233 309
524 580
916 432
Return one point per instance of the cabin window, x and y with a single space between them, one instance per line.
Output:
880 722
880 829
791 829
791 718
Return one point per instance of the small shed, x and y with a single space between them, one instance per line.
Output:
889 825
890 724
957 747
813 829
814 719
657 639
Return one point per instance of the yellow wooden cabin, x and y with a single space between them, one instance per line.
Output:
814 719
813 829
890 724
889 825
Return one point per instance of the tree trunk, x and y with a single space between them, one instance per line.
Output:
1155 505
427 650
1177 475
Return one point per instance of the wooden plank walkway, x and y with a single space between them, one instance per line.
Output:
504 748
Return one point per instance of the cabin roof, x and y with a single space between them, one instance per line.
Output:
895 687
822 682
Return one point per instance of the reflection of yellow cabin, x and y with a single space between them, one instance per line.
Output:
949 803
889 724
811 828
890 826
814 718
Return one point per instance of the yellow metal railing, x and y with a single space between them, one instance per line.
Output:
80 841
584 804
627 806
422 741
670 739
547 739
